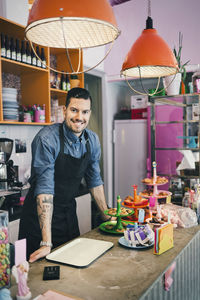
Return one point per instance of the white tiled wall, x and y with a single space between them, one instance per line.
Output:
25 133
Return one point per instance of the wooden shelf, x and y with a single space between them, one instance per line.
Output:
35 81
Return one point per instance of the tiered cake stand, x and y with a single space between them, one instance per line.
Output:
157 194
136 205
118 226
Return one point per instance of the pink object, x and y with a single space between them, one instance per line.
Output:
20 251
168 278
152 201
40 116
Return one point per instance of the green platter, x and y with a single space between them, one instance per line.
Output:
103 228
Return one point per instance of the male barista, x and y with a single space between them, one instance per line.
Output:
62 154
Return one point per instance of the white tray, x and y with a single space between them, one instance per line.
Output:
80 252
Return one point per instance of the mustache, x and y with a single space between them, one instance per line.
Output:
78 120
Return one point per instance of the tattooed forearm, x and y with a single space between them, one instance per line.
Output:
45 212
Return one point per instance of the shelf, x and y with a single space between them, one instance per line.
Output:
179 148
23 123
177 122
179 114
34 82
18 68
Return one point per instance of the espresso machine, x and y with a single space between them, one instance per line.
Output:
6 147
8 172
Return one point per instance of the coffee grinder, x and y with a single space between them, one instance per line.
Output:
6 147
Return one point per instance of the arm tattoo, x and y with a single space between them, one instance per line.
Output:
45 210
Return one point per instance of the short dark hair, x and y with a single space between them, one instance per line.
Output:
78 93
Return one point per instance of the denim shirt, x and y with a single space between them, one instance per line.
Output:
45 149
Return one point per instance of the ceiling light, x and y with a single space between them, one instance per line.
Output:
150 56
71 24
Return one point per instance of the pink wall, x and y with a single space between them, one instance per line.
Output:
169 17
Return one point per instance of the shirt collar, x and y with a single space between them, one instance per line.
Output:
70 136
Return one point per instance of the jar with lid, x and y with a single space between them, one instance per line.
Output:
196 81
4 251
186 200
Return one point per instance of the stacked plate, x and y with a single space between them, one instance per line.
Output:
10 104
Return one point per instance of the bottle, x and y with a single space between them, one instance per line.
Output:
63 83
57 80
39 64
7 45
18 52
43 58
28 54
68 83
3 47
23 52
186 199
33 58
12 49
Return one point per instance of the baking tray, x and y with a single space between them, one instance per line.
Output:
80 252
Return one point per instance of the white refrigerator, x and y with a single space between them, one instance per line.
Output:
130 156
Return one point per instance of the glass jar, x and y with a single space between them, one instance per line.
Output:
4 251
186 200
196 82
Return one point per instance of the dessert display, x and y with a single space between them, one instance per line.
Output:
123 212
136 202
160 193
116 227
154 194
159 180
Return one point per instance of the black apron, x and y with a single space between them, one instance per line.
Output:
69 172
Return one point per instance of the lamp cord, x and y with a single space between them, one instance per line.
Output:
149 8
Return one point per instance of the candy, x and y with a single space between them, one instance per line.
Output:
4 251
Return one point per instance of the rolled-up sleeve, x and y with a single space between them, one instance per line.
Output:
43 162
93 175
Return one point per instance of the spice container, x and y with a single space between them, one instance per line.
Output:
4 251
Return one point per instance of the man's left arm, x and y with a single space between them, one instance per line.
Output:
99 197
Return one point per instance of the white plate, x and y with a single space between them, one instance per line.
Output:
122 241
80 252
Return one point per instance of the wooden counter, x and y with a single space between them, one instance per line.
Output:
123 273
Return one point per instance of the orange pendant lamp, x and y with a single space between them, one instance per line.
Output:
150 56
71 24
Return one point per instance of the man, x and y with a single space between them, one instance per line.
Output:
62 154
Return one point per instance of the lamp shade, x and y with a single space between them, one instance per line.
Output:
149 57
71 24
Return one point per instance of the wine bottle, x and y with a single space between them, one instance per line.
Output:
3 47
23 52
33 58
12 49
43 58
28 54
63 83
18 52
39 64
68 83
7 45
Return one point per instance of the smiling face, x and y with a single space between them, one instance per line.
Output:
77 115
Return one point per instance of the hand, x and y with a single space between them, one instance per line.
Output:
41 252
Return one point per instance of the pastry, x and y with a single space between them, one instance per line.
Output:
159 180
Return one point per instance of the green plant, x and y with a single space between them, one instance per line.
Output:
177 54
